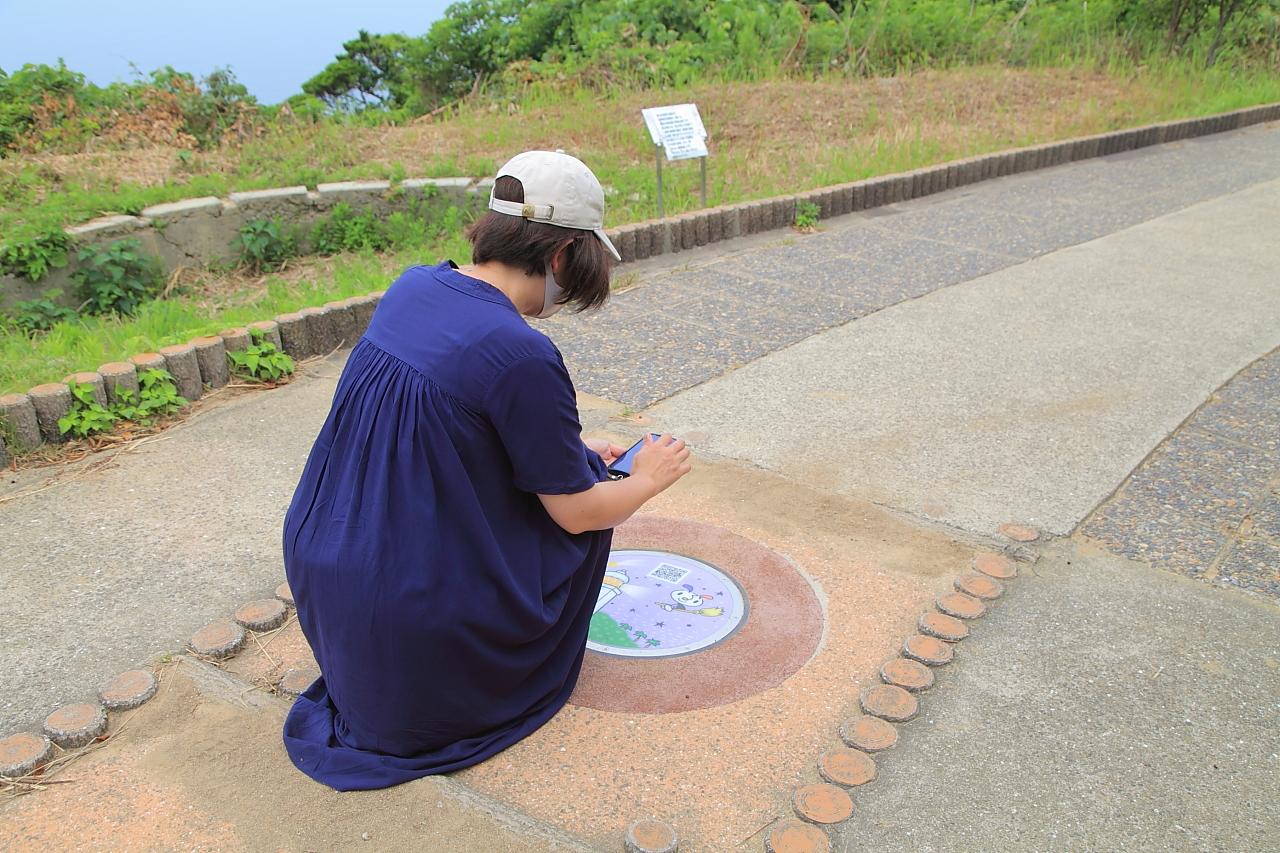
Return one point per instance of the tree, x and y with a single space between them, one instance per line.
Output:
368 73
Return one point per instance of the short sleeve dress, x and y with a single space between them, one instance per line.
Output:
447 611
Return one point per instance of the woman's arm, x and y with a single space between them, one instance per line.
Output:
605 505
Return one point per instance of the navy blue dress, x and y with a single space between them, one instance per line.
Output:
447 611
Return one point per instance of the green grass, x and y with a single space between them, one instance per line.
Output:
873 139
91 341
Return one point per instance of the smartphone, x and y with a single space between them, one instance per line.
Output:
621 466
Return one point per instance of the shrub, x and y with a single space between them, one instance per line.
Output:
266 245
344 230
40 315
116 279
33 258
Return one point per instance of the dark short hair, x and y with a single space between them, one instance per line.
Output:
517 242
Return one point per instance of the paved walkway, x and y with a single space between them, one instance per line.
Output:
688 325
1101 705
1206 503
1027 394
1022 377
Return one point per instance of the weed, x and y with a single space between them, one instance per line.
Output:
266 245
34 257
158 395
116 279
86 416
807 216
345 230
41 315
261 360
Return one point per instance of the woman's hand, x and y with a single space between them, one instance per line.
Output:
661 462
607 450
658 465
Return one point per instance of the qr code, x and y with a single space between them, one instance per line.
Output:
669 573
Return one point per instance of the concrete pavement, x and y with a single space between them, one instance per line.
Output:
1002 367
1027 394
1103 705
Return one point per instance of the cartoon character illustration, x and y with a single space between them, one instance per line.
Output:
688 601
611 586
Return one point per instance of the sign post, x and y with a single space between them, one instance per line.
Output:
678 132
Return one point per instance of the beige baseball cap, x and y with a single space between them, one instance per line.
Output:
559 190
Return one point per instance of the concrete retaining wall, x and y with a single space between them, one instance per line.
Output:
194 232
199 231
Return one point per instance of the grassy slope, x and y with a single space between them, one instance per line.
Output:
766 139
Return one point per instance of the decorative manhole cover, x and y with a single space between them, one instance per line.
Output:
656 604
726 633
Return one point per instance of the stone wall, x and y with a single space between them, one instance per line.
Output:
200 231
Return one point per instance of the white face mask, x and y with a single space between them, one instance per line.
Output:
550 300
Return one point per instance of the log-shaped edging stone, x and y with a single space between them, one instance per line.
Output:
294 335
285 594
910 675
24 753
128 690
264 614
942 626
649 835
822 803
118 377
796 836
145 361
980 586
73 726
322 332
845 766
180 361
889 703
97 387
342 315
961 606
236 339
929 651
51 401
995 566
219 640
869 734
211 357
270 331
363 308
18 414
296 680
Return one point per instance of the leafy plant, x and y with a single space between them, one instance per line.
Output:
345 230
86 416
807 215
266 244
40 315
33 258
158 395
261 360
116 279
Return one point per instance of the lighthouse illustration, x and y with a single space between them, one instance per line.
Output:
611 586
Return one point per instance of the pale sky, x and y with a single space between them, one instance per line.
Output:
271 45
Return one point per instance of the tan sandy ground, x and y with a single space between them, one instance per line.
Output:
202 766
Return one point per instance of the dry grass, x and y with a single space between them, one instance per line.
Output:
763 135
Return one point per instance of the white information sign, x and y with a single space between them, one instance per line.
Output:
678 129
